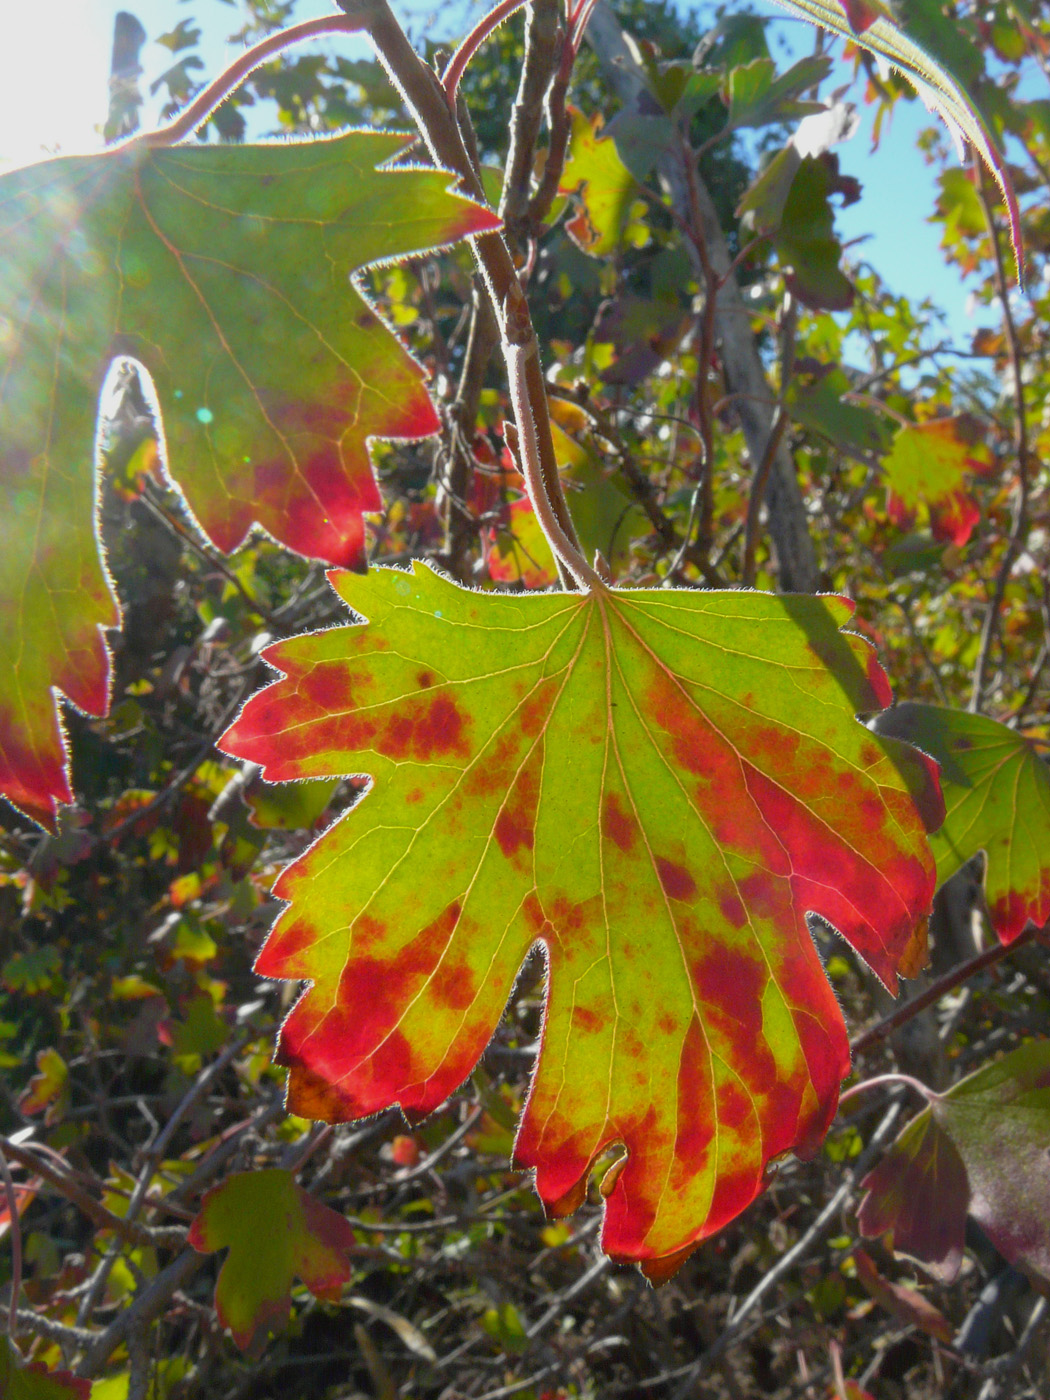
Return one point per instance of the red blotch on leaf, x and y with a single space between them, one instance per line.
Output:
677 881
618 825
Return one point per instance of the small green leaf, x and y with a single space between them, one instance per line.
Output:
757 96
997 798
275 1232
32 972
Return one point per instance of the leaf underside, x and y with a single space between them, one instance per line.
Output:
997 800
979 1149
224 270
654 787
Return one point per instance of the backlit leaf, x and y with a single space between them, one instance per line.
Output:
275 1232
928 464
758 96
655 787
605 189
225 271
997 798
979 1149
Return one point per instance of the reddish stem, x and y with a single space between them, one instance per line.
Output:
578 24
881 1079
457 64
217 92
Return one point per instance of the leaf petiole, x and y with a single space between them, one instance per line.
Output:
517 357
216 92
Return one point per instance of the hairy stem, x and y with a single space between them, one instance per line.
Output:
457 64
881 1079
426 99
517 357
216 93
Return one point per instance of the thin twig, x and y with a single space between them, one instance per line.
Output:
105 1219
16 1243
216 93
885 1028
806 1240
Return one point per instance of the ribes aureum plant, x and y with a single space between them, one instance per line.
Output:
662 790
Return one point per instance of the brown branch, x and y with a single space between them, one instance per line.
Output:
541 60
95 1211
760 480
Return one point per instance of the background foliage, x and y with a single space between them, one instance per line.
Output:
137 1041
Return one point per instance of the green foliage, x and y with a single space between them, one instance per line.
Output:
588 878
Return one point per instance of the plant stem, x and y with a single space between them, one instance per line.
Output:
457 64
881 1079
16 1243
217 92
426 99
517 357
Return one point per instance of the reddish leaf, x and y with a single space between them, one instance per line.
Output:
907 1305
51 1082
981 1149
655 787
997 796
275 1232
928 465
225 271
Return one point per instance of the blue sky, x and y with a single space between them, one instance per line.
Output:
53 92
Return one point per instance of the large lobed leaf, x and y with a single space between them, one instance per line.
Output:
980 1148
653 786
225 271
997 798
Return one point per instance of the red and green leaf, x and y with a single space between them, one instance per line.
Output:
929 464
997 800
225 271
979 1149
275 1232
655 787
